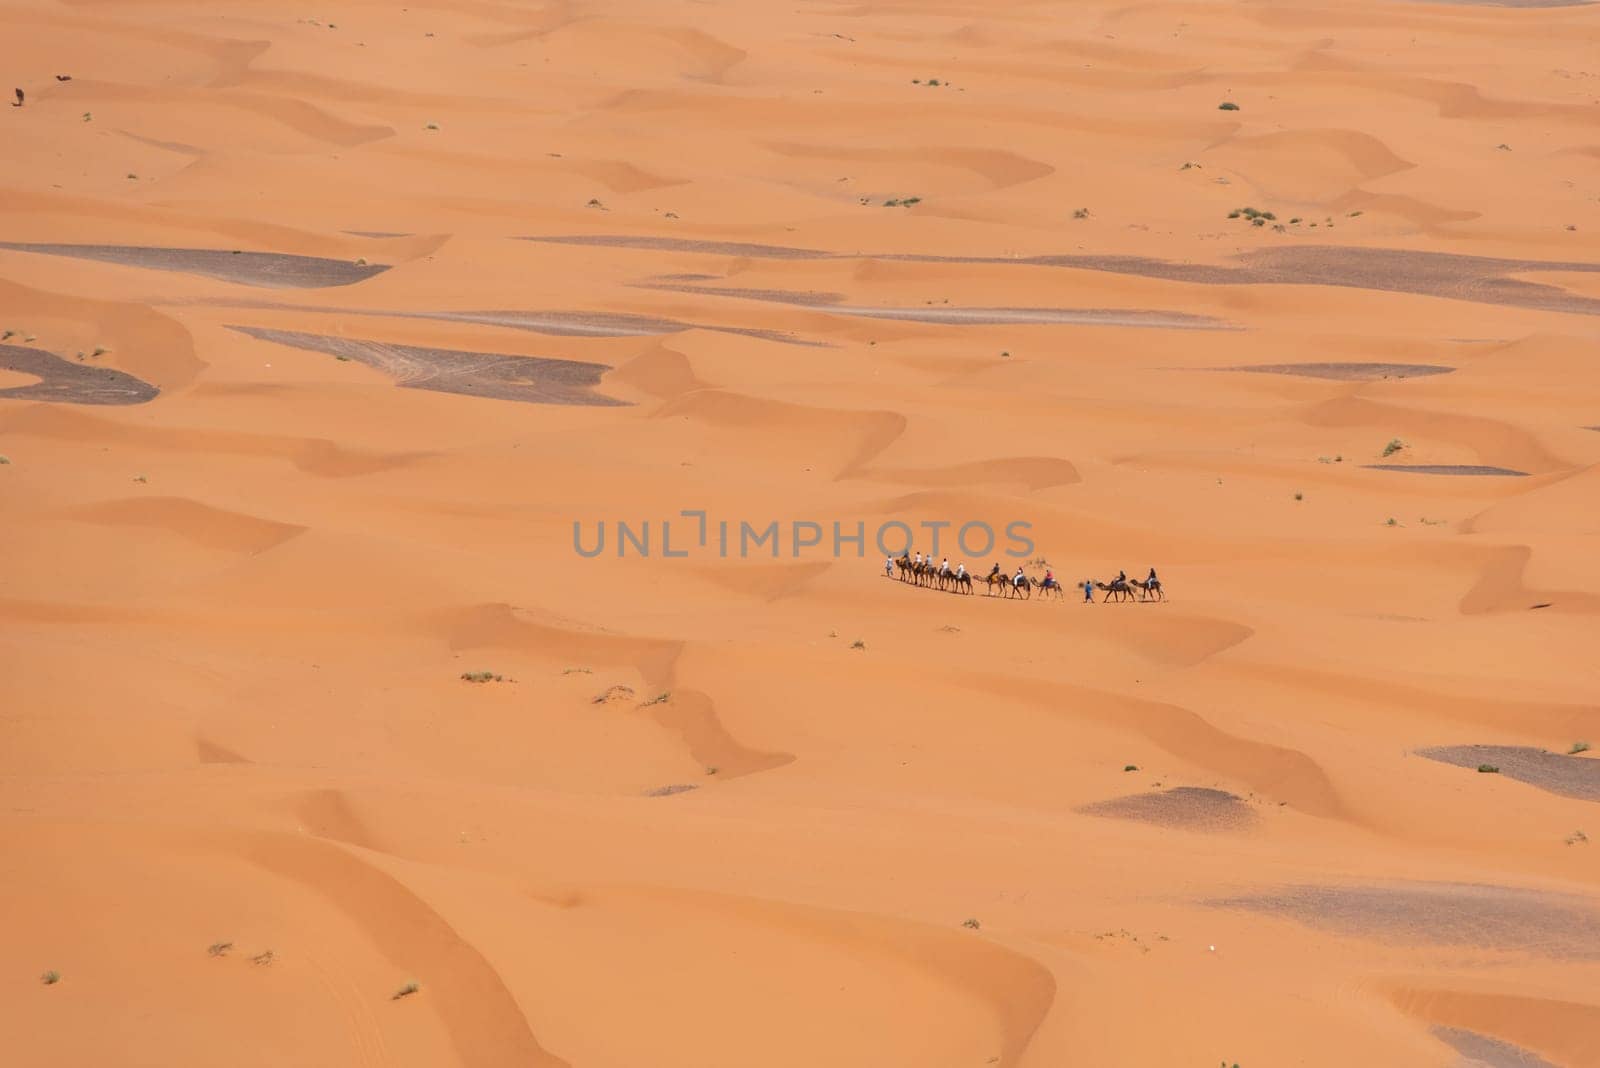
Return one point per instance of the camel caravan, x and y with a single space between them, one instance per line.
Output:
922 571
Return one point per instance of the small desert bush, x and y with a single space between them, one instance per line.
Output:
404 992
970 924
217 949
858 644
1227 105
50 978
1394 446
1488 769
1130 767
1578 747
480 676
659 699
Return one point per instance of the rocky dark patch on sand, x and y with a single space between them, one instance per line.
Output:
1186 807
1487 918
1481 1051
272 270
1346 372
1454 276
678 244
957 316
1569 776
1449 469
590 324
68 382
530 379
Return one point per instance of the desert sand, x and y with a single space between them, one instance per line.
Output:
321 743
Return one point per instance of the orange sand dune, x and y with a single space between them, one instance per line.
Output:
449 456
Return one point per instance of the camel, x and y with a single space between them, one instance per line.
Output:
961 582
1054 587
1115 586
1151 587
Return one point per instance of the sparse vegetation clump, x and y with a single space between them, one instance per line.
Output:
970 924
219 949
1488 769
1394 446
902 202
1578 747
858 644
1080 213
405 992
576 671
50 978
659 699
1130 767
4 459
1227 105
1577 838
1299 496
1393 522
613 693
481 676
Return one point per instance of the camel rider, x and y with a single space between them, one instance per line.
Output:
1122 578
961 571
944 567
1016 580
917 560
995 570
1049 578
888 566
1152 580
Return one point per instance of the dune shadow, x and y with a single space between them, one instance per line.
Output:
497 376
273 270
68 382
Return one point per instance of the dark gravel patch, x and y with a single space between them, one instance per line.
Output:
1187 807
1569 776
677 244
273 270
957 316
69 382
593 324
1476 279
1493 918
530 379
1448 469
1481 1051
1346 372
